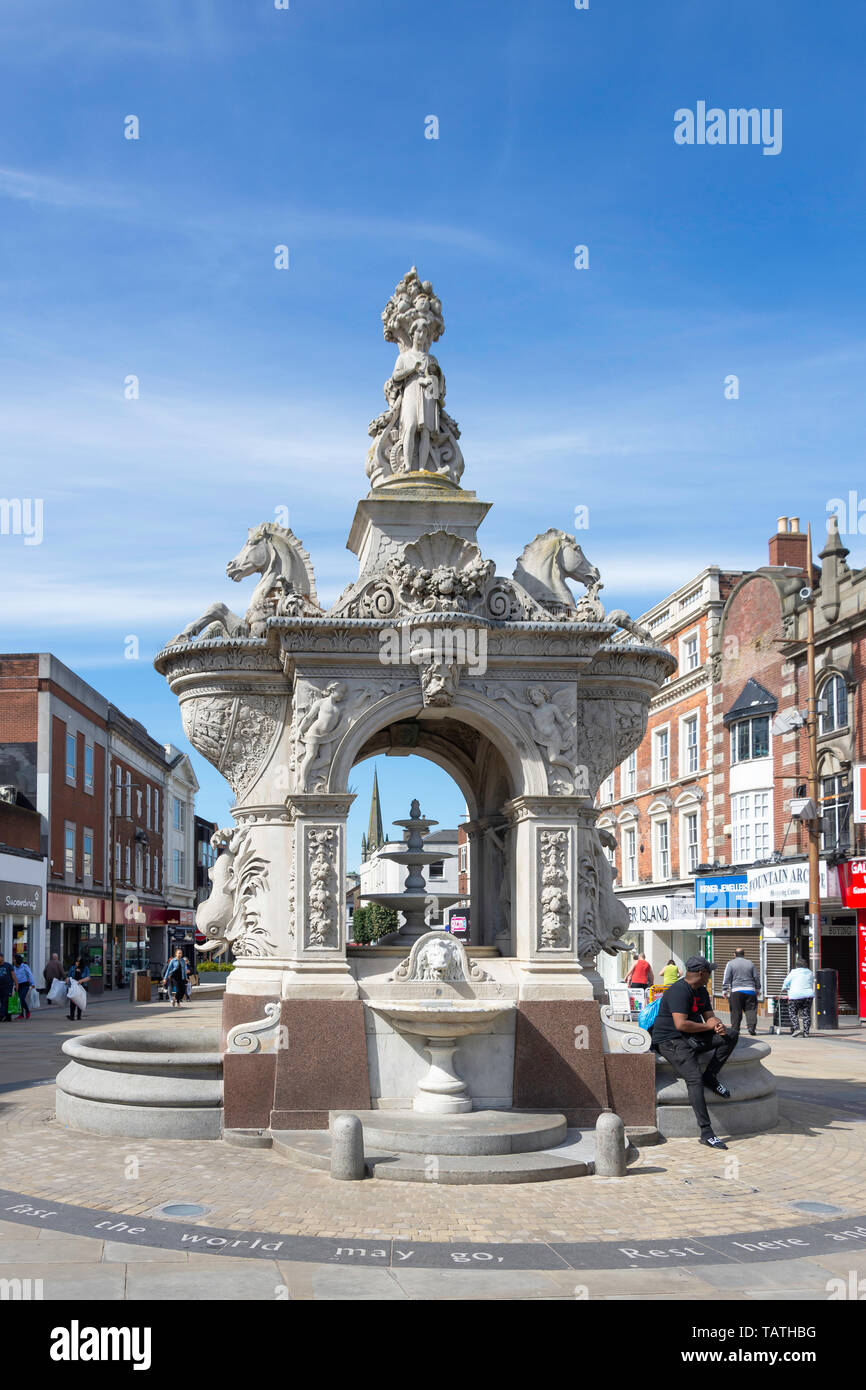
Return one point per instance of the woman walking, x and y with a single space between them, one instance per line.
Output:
25 980
80 974
175 977
800 984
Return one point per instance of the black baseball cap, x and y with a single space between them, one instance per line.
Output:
698 963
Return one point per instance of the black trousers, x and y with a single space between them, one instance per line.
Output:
742 1002
684 1052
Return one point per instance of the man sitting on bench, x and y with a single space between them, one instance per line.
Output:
686 1026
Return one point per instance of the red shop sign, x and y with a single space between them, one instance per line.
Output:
852 883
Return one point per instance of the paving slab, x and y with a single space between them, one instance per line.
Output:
176 1282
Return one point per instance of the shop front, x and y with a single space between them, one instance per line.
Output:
22 909
79 929
852 890
664 925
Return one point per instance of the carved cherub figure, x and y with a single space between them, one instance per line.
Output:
550 727
319 725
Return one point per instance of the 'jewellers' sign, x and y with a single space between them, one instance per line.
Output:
21 897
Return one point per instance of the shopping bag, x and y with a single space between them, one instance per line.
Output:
14 1005
77 994
33 1000
57 992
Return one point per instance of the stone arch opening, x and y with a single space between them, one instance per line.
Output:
480 770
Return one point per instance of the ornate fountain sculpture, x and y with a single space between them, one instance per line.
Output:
417 898
286 700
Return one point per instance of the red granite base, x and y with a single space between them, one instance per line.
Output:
631 1084
323 1065
559 1061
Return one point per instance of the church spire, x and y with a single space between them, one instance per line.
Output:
375 832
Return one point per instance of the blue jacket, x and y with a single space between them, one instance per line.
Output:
800 983
24 974
85 973
171 968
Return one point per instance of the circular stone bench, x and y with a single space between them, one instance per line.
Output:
153 1083
752 1108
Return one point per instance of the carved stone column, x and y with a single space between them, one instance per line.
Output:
317 965
547 843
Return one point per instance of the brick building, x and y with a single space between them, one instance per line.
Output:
720 842
660 803
86 788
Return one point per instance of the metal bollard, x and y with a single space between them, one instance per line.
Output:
347 1148
609 1146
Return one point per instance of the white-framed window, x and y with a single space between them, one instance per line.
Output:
628 776
147 870
156 808
138 866
128 789
118 791
156 873
117 859
179 866
690 842
661 755
138 804
179 814
691 599
127 864
461 859
835 693
148 800
69 851
690 658
629 854
689 751
88 767
662 848
606 790
87 853
750 739
70 758
751 826
835 813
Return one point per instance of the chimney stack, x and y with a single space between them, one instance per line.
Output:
789 546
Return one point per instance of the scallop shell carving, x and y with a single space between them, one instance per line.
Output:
440 549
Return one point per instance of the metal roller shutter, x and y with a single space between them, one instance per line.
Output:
724 946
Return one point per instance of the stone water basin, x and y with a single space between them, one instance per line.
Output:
441 1023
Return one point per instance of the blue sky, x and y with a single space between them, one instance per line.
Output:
305 127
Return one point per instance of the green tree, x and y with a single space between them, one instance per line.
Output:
373 921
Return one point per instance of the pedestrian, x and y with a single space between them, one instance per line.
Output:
80 972
670 974
8 981
686 1026
742 986
176 976
53 971
641 974
800 984
25 979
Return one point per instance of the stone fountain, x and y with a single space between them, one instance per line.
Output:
416 897
529 693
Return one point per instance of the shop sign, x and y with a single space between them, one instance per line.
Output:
783 883
457 924
712 922
714 894
861 956
858 774
649 912
25 898
852 883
